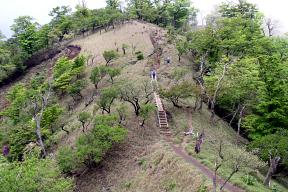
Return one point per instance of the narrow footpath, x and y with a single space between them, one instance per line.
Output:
164 128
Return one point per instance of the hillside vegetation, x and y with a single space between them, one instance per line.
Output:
85 118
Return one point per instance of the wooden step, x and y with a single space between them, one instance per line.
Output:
165 133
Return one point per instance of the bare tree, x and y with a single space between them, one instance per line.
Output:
239 123
217 90
273 161
137 94
234 114
218 163
271 25
200 81
40 103
238 159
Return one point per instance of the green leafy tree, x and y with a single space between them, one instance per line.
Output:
75 89
25 31
176 92
97 74
50 116
124 48
145 112
272 149
92 147
78 65
182 48
113 4
65 73
61 22
122 111
67 160
109 56
20 176
107 96
113 72
84 118
137 94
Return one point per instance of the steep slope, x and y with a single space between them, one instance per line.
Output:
145 162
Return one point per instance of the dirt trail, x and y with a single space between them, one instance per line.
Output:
179 150
204 170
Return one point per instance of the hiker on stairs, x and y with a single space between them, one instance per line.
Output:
153 75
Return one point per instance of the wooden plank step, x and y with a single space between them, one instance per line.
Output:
166 133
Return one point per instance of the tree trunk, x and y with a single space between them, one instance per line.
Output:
216 92
212 106
83 126
233 172
179 58
196 103
215 177
62 127
272 169
39 137
239 124
234 115
201 104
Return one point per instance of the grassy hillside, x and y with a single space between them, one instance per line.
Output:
145 161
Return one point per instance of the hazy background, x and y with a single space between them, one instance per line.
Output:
39 9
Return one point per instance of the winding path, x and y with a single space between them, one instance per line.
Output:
179 150
166 133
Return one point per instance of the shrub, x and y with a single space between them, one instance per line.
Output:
248 179
90 148
139 55
67 160
33 174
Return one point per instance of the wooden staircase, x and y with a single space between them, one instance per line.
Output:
162 117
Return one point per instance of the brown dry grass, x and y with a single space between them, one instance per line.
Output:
121 169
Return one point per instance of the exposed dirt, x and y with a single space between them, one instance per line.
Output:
156 40
204 170
121 162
